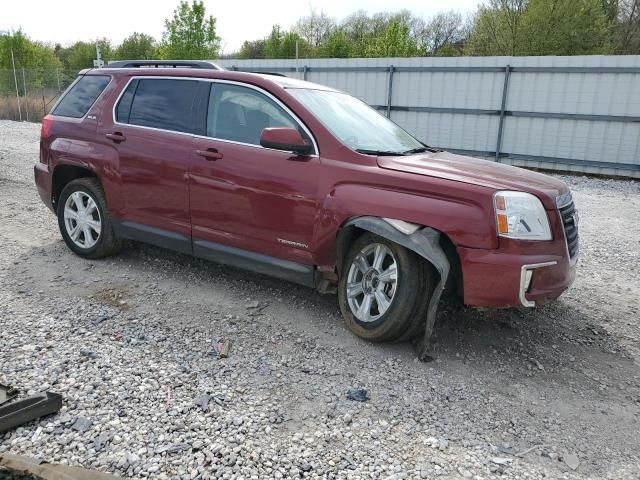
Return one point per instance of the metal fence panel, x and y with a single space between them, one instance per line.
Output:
578 113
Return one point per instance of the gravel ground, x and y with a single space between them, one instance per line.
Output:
548 393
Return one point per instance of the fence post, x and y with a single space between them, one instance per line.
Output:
505 88
58 76
304 72
15 79
24 89
390 90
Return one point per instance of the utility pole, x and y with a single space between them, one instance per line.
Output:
15 79
98 62
296 57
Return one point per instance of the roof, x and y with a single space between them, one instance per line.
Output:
200 70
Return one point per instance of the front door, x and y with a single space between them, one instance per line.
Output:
246 196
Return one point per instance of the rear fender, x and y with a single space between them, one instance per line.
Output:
99 158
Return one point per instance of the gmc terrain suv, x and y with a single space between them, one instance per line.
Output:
305 183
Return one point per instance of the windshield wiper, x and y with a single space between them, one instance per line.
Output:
421 150
380 153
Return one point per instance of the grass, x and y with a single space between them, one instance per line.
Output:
33 108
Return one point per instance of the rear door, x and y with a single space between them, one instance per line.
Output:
254 198
152 133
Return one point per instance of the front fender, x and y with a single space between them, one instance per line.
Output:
460 215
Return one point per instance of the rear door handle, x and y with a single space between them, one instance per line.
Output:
210 154
116 137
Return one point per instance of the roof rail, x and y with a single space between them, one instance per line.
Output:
276 74
164 64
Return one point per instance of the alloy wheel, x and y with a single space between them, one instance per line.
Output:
372 282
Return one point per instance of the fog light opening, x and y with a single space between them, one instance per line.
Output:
527 280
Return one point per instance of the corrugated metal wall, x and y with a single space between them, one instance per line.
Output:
577 113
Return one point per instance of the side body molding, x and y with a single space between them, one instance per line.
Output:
426 243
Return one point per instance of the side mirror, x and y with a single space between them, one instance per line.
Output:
285 138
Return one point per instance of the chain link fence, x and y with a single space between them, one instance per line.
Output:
29 94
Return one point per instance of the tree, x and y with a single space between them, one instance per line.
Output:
80 55
444 29
190 34
496 29
357 28
137 46
394 40
565 27
540 27
36 58
315 28
252 49
337 45
272 43
627 31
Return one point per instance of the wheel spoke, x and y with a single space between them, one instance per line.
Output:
361 263
91 206
70 214
95 226
77 201
382 301
379 256
354 289
88 238
390 275
75 233
364 310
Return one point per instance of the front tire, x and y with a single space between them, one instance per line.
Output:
384 289
84 220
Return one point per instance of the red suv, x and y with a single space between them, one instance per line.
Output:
305 183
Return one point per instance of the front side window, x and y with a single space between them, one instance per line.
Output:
161 103
354 123
240 114
82 94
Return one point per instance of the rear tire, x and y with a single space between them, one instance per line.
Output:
396 307
84 220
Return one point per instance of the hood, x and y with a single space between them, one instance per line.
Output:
486 173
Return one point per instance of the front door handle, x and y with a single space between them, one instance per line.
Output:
210 154
116 137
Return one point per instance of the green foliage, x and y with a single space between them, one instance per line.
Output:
541 27
37 59
137 46
395 40
252 49
272 42
190 34
337 45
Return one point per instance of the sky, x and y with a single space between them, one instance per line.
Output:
67 21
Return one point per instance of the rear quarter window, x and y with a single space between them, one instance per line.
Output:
81 96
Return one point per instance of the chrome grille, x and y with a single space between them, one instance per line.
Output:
569 216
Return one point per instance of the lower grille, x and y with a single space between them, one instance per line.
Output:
569 216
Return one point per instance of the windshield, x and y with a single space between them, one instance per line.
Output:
356 124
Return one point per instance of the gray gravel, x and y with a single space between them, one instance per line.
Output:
128 342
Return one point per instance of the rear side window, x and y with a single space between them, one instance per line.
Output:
78 100
159 103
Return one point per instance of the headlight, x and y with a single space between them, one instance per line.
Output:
521 215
